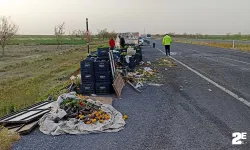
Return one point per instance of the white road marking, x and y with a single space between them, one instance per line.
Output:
212 82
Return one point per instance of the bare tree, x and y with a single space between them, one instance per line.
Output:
102 34
112 34
72 36
81 34
7 31
59 32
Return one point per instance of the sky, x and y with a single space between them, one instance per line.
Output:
155 16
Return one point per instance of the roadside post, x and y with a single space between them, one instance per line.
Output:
87 33
233 44
153 45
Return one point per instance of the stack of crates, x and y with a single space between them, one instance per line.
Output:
123 53
139 52
132 62
102 76
87 76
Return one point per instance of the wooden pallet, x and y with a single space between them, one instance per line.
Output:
118 84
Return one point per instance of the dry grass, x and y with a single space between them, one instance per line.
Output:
34 79
7 138
242 47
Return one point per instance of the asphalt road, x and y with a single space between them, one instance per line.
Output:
245 42
187 112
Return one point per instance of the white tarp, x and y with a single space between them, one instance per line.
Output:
73 126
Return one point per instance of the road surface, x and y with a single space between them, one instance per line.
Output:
187 112
244 42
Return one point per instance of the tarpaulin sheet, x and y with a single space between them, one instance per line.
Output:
74 126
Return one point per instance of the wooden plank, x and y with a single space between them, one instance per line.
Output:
28 128
133 86
118 84
104 100
25 109
27 115
24 128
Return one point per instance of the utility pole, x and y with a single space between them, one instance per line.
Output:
87 33
144 32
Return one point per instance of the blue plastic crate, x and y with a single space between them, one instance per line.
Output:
102 65
103 58
87 65
87 77
87 88
137 58
103 88
102 51
132 65
104 76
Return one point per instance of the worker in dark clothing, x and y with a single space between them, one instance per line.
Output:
122 41
111 44
166 41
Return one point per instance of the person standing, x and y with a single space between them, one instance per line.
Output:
117 43
112 44
122 41
166 41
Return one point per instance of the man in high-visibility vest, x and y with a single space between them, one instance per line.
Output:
166 41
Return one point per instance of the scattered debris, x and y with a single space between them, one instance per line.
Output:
138 85
209 90
148 69
25 120
165 62
73 115
131 84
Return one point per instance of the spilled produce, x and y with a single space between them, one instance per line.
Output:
72 114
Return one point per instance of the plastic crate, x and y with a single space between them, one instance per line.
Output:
103 58
103 88
87 77
102 66
87 88
132 65
102 51
137 58
103 76
87 65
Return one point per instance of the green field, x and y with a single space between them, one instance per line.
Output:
34 68
209 37
43 41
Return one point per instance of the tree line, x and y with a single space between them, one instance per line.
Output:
9 29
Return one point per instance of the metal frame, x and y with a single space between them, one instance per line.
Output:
6 119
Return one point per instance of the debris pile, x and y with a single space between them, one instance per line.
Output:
73 115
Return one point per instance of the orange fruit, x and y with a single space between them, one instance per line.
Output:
125 116
88 122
